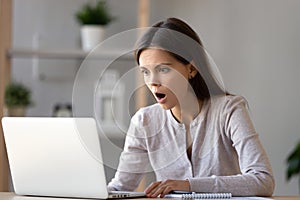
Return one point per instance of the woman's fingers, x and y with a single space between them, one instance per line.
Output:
167 190
161 188
151 187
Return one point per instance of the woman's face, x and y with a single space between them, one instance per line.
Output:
165 76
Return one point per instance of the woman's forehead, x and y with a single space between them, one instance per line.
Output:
155 56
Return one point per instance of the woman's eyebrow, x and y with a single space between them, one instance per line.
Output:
143 68
157 65
163 64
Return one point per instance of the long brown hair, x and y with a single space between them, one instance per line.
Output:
182 42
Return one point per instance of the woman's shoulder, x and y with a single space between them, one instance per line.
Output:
228 102
150 110
149 114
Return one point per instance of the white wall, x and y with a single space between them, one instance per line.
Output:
254 43
256 46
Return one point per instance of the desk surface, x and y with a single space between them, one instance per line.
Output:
12 196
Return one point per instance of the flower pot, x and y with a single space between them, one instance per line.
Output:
91 36
16 111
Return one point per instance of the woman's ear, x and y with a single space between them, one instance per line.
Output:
192 71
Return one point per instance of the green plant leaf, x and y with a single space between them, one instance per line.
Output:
17 94
94 14
293 168
293 162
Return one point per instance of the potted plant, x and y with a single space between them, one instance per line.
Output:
293 162
16 98
93 18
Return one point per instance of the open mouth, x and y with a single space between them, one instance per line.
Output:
160 95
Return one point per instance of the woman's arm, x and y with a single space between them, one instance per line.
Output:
133 162
256 176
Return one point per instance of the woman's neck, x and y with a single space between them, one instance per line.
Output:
188 111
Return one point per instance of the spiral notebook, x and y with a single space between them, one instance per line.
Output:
194 195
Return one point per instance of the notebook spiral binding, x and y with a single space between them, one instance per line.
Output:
207 196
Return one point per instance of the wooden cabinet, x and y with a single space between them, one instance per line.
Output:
5 43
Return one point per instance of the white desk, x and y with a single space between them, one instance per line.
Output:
12 196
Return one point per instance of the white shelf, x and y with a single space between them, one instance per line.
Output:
64 54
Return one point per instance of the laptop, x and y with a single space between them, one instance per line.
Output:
57 157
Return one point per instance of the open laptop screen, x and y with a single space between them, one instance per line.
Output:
55 157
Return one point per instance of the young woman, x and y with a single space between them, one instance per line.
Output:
197 137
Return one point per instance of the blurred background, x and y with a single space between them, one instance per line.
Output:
255 45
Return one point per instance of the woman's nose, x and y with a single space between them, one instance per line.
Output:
153 80
155 84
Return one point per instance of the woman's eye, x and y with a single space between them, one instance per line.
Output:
145 72
164 69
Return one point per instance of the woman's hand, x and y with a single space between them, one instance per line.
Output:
161 188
